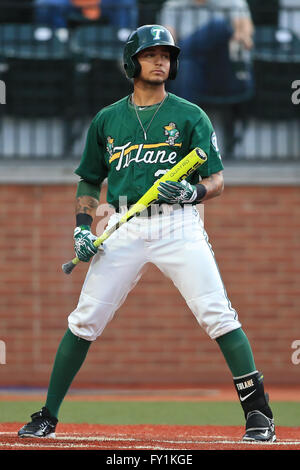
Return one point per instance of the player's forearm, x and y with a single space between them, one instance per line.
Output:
214 185
86 206
87 201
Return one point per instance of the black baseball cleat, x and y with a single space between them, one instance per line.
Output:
42 425
259 428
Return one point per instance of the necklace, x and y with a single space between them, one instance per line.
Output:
138 117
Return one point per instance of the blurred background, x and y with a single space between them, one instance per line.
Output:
60 63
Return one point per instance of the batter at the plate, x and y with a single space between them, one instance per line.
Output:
132 143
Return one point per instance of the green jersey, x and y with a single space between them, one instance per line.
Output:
117 148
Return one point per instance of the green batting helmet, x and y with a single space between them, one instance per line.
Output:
144 37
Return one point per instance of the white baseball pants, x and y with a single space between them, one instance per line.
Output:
177 244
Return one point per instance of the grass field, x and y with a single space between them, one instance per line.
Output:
156 412
148 420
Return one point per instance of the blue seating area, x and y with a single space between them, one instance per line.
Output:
69 74
44 69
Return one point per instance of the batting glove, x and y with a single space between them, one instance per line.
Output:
172 192
84 243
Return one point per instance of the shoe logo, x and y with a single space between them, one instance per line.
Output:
246 396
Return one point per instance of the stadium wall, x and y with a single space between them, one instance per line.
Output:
153 339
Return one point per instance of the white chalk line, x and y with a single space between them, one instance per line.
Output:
65 437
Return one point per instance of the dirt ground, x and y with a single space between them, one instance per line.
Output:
145 437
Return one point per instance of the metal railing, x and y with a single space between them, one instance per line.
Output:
55 78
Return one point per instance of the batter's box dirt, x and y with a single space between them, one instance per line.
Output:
145 437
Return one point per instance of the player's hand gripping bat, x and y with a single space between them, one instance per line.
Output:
180 171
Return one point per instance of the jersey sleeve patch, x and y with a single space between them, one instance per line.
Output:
214 141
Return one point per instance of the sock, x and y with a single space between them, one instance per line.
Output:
237 352
70 355
247 380
251 393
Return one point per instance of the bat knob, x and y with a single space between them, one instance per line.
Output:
68 267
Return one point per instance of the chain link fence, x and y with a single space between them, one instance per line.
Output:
59 67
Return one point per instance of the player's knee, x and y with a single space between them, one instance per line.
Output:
214 314
221 328
83 331
90 318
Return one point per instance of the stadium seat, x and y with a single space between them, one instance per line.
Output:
98 41
276 59
29 41
36 68
99 78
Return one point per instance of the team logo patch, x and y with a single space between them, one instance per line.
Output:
214 141
171 132
156 32
110 145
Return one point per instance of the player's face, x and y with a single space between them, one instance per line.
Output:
155 64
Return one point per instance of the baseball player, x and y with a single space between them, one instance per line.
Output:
132 143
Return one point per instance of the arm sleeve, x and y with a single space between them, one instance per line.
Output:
204 136
88 189
92 167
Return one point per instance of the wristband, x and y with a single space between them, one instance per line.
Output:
201 192
83 219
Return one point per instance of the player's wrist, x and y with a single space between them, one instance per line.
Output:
83 227
85 220
201 192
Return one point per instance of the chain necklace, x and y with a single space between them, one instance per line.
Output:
138 117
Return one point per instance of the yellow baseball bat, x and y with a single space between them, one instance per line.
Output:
180 171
